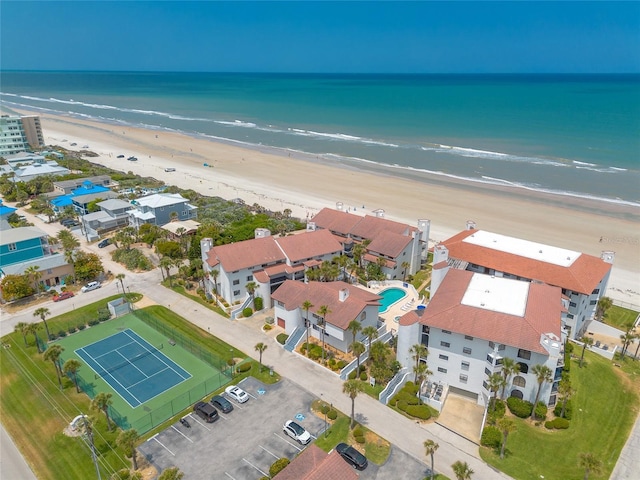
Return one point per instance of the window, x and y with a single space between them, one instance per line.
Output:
501 347
463 378
236 282
524 368
596 291
468 337
526 354
442 370
443 357
12 247
572 304
49 271
593 302
446 331
487 371
445 344
465 365
466 351
519 381
363 316
249 278
236 293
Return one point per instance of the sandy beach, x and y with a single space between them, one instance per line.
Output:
283 180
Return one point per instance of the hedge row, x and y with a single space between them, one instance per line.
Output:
557 423
520 408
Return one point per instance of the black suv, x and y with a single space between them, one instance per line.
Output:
206 412
352 456
221 404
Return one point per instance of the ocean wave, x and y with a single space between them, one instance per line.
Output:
236 123
585 164
341 136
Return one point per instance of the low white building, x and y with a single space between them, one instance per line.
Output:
474 321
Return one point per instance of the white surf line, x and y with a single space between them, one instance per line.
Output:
163 446
287 441
263 473
229 476
270 453
172 426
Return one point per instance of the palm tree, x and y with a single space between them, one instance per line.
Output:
102 401
352 388
53 354
421 370
260 347
167 263
419 350
251 288
405 266
543 374
358 348
430 448
127 440
509 368
590 463
496 381
32 329
23 328
121 277
323 311
506 426
43 313
371 333
71 367
627 339
604 304
306 305
214 273
354 326
565 390
586 341
35 275
462 470
171 473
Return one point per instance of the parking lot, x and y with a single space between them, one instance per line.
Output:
242 444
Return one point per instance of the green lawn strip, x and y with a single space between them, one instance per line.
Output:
35 412
204 377
211 306
604 409
77 316
620 317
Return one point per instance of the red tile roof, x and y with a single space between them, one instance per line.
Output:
246 254
542 314
365 227
309 245
314 464
582 276
389 244
335 220
293 294
374 259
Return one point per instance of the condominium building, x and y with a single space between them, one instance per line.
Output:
18 134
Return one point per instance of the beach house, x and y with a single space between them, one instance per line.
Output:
80 197
265 261
113 214
161 208
583 278
399 249
344 303
472 323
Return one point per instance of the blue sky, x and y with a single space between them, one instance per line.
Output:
347 37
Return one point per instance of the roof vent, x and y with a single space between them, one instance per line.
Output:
539 251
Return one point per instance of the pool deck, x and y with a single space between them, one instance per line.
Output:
398 309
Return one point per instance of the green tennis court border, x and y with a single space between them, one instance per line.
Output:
205 378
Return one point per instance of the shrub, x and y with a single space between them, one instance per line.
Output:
568 411
332 362
402 405
557 423
410 387
491 437
244 367
278 466
541 411
62 333
352 375
104 315
282 338
364 376
72 329
324 408
360 439
132 259
303 348
267 327
93 322
82 326
520 408
332 414
342 364
247 312
419 411
498 412
258 303
358 432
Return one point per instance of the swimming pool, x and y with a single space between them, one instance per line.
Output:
389 297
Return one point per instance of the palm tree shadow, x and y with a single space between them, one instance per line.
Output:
361 419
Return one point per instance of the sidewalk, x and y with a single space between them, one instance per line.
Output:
399 430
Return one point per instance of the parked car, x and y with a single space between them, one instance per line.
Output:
62 296
237 393
296 432
120 156
352 456
169 169
221 403
132 159
90 286
104 243
206 412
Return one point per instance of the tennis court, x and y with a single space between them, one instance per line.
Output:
133 367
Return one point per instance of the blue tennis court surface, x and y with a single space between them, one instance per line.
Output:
133 367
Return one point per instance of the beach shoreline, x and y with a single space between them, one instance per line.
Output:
280 179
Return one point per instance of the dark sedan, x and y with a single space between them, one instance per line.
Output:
352 456
221 404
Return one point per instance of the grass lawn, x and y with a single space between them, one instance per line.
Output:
376 448
211 306
620 317
605 407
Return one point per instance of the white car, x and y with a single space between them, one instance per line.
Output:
237 393
91 286
296 432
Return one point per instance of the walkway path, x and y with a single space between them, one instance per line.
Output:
12 464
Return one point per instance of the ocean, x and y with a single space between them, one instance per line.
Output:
569 135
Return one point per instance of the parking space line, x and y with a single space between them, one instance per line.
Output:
270 453
284 439
263 473
173 426
235 403
198 421
163 446
229 476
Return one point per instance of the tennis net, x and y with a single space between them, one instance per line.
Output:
129 361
